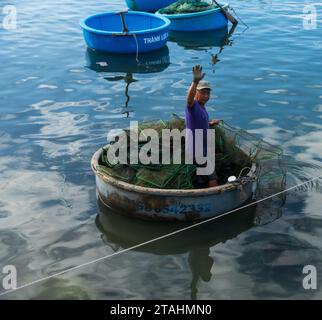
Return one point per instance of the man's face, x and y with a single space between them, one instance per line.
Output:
203 95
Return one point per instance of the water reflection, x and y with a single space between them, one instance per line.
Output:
151 62
121 232
204 41
62 289
200 263
128 79
200 40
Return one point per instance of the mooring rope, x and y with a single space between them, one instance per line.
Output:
137 49
126 32
241 20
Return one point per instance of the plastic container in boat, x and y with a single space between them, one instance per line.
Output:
125 32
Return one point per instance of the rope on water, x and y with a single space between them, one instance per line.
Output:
241 20
137 49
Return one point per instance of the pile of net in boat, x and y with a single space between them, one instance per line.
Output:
188 6
236 150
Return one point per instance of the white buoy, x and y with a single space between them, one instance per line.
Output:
232 179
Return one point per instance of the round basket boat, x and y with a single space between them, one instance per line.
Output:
170 204
148 5
198 21
125 32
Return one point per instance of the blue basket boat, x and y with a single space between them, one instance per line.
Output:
198 21
148 5
125 32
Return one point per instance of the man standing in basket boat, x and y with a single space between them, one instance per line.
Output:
197 118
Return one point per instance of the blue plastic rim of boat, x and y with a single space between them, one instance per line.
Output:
198 21
148 5
144 32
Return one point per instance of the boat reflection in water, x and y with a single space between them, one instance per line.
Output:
151 62
121 232
200 40
204 41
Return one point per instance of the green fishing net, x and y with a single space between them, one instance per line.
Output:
236 151
234 144
187 6
162 176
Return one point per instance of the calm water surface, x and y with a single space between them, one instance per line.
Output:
57 107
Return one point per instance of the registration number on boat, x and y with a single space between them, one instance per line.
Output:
154 39
178 208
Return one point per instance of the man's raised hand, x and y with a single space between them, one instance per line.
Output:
197 73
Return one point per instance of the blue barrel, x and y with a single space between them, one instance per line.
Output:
125 32
198 21
148 5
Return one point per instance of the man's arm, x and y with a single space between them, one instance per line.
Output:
191 94
197 76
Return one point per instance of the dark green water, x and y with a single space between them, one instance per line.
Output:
56 110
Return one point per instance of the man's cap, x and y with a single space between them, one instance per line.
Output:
203 85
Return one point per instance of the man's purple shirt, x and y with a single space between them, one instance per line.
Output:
196 118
